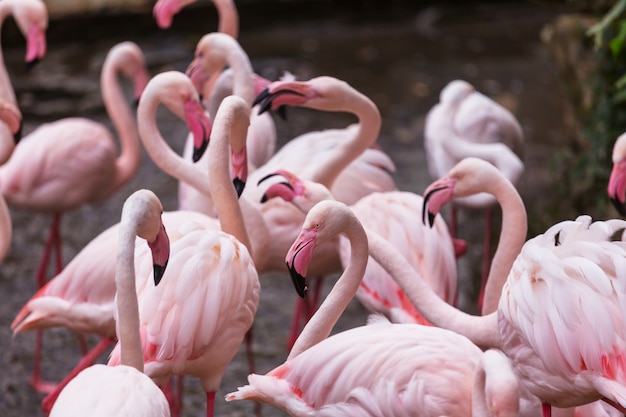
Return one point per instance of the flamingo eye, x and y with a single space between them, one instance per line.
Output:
317 225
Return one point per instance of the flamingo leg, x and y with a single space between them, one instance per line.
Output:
452 225
210 403
35 380
295 323
486 262
173 395
249 352
180 388
85 361
546 410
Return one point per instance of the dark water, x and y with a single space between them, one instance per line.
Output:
400 53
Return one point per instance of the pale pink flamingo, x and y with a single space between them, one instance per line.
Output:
617 180
430 251
546 304
467 123
220 50
381 369
194 322
75 161
125 390
31 17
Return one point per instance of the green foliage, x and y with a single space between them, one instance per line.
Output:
588 164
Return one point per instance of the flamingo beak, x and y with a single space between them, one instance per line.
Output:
298 258
617 187
160 248
436 195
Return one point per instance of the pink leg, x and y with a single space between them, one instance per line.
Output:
35 380
85 362
174 395
546 410
210 403
486 262
299 312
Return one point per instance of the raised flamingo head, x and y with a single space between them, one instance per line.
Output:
617 180
31 17
211 56
468 177
143 209
321 93
323 222
134 69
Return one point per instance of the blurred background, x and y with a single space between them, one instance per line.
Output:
533 57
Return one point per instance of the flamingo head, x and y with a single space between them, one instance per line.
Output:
239 164
301 193
286 93
299 257
164 12
617 180
198 124
436 196
31 17
160 248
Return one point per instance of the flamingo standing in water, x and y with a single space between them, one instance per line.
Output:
378 369
31 17
74 161
196 320
467 123
430 251
124 390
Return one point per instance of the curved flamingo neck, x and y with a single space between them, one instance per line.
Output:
122 118
229 131
243 74
481 330
131 352
228 17
6 228
512 237
325 318
158 149
347 151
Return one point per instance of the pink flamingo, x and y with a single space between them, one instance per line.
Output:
55 185
467 123
125 390
378 369
223 50
429 251
617 180
31 17
211 285
553 361
228 18
95 172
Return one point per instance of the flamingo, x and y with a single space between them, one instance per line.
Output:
31 17
75 159
93 172
228 18
467 123
388 213
380 369
617 180
124 390
194 323
539 291
221 50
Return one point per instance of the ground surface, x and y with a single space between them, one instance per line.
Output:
399 53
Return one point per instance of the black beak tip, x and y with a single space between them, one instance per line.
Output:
264 198
619 206
31 64
18 135
431 219
262 95
282 112
298 280
159 270
239 186
198 152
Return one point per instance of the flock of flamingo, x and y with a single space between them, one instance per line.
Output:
176 292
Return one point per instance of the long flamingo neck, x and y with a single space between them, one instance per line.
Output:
6 88
228 17
121 116
230 130
131 352
6 228
512 237
483 331
325 318
347 151
161 153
